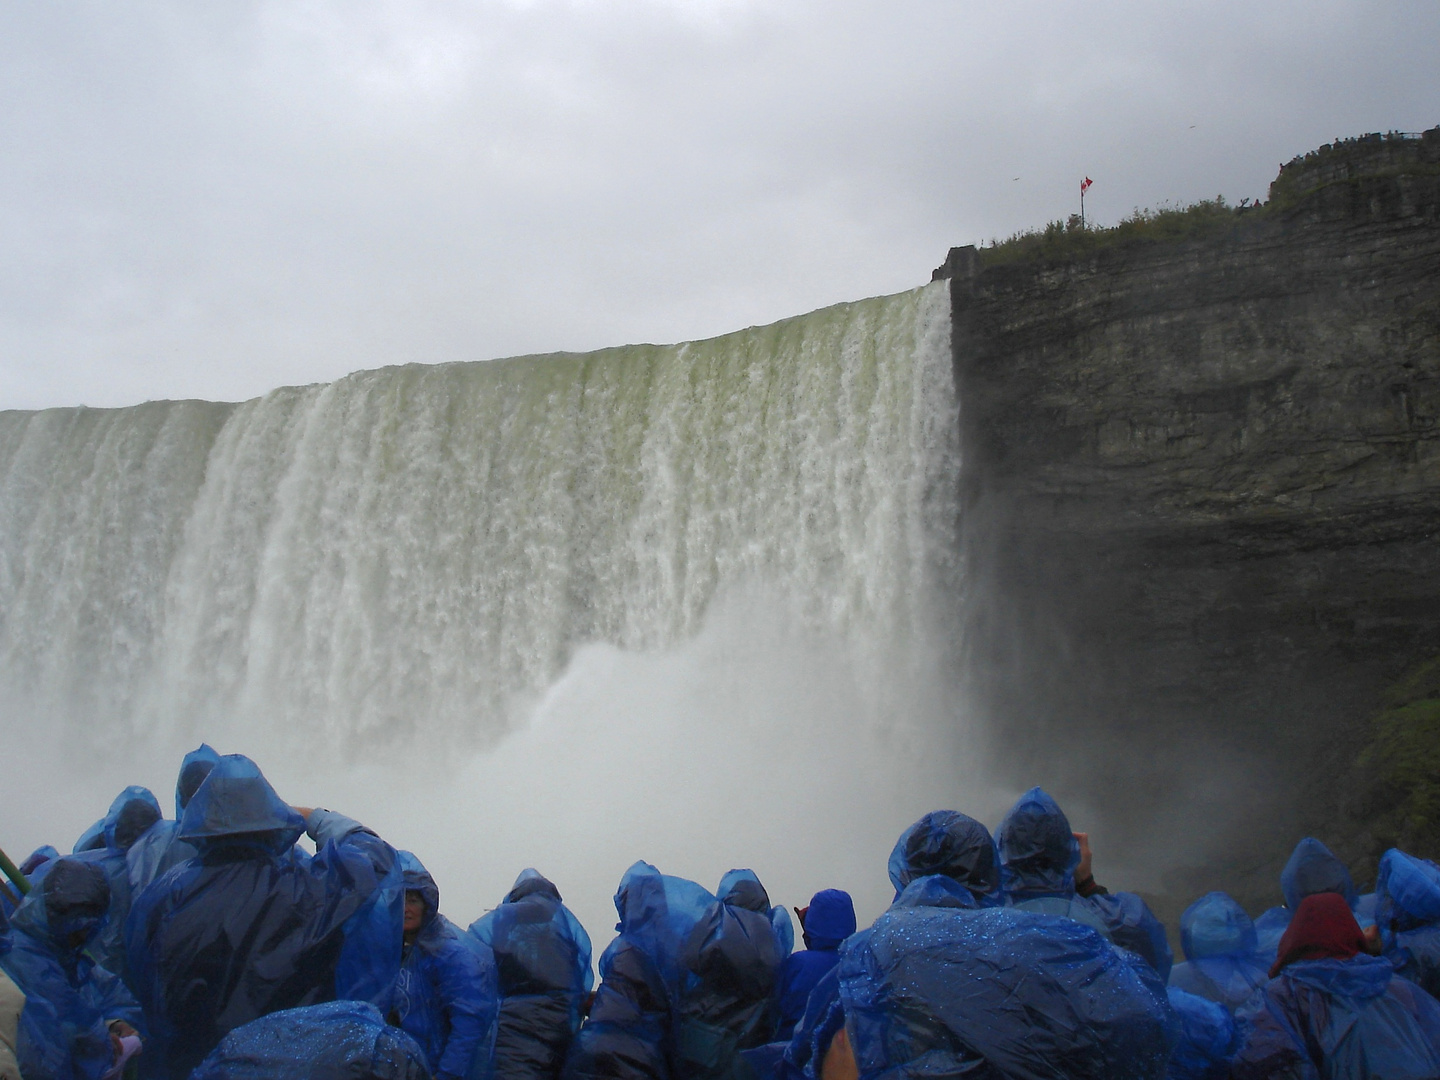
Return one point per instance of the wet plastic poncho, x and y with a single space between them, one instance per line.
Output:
542 954
949 991
829 920
130 819
1313 869
1352 1018
950 843
1208 1038
69 999
727 1000
245 928
159 849
445 995
339 1040
628 1033
1407 910
1222 955
1038 855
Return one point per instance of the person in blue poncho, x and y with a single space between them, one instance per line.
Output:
244 928
941 986
627 1035
339 1040
1222 958
825 923
159 849
445 994
542 955
731 962
130 819
1040 853
953 844
79 1020
1208 1038
1311 869
1407 912
1333 1010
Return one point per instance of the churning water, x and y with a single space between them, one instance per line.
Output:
684 602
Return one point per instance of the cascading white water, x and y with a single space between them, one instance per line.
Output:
421 548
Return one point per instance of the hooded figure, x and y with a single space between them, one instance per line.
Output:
825 923
627 1034
244 929
339 1040
953 844
727 1000
1333 1011
542 954
71 1002
12 1003
1222 959
1311 869
1407 910
1039 853
445 996
130 819
959 990
159 850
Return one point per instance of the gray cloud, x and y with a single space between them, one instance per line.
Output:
211 200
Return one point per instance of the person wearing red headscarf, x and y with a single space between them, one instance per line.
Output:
1333 1010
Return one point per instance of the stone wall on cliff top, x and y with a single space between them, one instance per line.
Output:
1201 509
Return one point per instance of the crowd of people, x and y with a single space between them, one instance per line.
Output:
213 947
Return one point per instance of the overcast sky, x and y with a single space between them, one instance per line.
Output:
213 199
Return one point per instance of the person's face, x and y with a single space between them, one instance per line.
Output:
414 911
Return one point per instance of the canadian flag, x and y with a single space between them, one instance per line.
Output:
1085 185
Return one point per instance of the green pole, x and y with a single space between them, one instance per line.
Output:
13 873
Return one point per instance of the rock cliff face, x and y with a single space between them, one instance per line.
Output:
1201 492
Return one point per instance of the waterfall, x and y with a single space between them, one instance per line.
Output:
424 548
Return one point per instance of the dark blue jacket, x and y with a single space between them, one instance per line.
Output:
829 920
1039 853
995 992
160 849
339 1040
953 844
445 995
69 999
1222 955
542 955
1353 1019
246 928
628 1034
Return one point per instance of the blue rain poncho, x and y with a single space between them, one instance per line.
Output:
627 1035
339 1040
1208 1038
1310 870
131 818
542 954
1407 910
70 1000
159 849
956 990
245 928
727 1000
1038 855
1351 1018
950 843
445 995
1222 955
828 921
